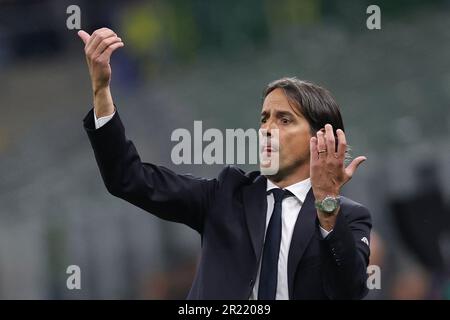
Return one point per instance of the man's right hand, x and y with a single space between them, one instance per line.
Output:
98 49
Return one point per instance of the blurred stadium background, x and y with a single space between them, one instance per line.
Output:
187 60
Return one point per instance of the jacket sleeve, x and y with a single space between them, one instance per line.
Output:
345 252
155 189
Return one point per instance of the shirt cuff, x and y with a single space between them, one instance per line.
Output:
102 120
324 232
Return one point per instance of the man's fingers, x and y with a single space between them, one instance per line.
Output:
313 149
97 37
105 44
350 170
106 55
321 146
342 144
84 36
329 139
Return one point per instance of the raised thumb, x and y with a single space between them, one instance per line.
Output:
84 36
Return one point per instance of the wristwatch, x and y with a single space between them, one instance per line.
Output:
328 205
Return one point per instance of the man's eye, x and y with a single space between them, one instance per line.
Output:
263 120
285 121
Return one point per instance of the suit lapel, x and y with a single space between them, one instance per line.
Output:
304 229
255 205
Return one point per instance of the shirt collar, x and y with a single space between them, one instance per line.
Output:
299 189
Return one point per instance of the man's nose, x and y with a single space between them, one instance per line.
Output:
270 125
265 130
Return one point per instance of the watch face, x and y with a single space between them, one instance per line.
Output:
329 204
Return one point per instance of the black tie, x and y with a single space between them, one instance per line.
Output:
269 266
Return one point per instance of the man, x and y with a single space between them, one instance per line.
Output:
283 236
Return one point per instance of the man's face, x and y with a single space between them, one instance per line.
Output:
294 133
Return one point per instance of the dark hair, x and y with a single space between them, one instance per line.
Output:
315 103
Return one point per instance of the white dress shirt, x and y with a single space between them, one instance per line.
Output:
290 209
102 120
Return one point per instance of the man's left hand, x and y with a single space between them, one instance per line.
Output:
327 169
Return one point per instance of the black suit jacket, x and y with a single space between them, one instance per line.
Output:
230 214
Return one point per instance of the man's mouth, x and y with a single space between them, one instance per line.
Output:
269 149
